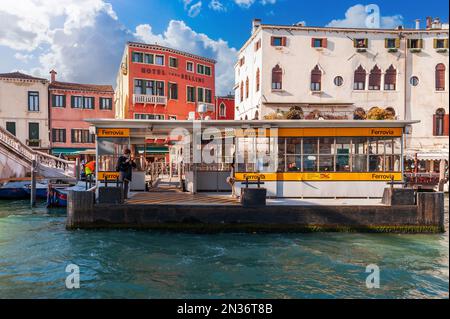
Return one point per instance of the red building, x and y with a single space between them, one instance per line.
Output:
156 82
70 104
224 107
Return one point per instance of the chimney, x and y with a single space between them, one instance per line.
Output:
255 25
417 24
53 76
436 23
429 22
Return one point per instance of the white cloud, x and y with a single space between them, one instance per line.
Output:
83 40
195 9
360 16
180 36
216 5
264 2
25 58
244 3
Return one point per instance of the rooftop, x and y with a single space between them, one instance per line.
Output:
163 48
21 76
81 87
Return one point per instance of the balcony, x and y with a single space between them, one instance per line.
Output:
149 99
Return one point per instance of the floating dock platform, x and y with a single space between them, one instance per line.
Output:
398 211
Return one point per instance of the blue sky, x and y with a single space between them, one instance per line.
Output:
84 39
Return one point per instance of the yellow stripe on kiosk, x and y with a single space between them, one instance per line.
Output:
320 176
110 176
113 132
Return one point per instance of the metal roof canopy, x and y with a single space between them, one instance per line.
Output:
161 128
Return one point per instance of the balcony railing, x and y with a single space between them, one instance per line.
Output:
149 99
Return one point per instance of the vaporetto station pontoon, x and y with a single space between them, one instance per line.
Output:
293 158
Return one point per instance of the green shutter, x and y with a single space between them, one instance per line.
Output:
435 41
355 43
397 43
72 101
64 101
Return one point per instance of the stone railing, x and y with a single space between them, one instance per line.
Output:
12 143
149 99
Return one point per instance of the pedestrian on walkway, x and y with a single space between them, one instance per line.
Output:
125 166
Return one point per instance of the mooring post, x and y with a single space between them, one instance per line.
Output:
33 183
77 169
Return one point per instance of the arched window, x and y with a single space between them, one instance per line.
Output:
277 78
375 78
222 110
316 79
256 115
440 77
440 123
246 118
247 84
257 80
390 79
360 79
241 91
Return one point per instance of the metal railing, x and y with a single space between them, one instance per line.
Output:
150 99
27 153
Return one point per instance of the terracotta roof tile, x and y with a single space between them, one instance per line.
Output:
19 75
81 87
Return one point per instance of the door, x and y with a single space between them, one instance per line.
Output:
33 135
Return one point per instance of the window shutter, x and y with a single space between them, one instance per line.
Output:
53 135
366 42
409 43
354 43
64 135
72 101
283 41
385 43
53 100
435 43
446 43
272 40
72 135
64 101
420 43
325 42
397 43
312 42
446 125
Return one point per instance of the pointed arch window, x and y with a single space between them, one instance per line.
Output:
222 110
359 79
316 79
375 78
247 88
241 91
390 79
440 77
257 80
277 78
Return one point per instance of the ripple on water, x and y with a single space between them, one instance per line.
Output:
35 249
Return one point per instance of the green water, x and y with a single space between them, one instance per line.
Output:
35 249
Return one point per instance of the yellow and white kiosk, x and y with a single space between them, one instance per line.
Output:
294 158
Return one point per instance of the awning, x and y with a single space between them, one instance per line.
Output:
68 151
432 156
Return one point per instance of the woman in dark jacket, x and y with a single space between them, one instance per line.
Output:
125 166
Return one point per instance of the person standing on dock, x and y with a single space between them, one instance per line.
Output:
125 166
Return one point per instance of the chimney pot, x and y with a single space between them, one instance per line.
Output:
53 75
417 24
429 22
255 25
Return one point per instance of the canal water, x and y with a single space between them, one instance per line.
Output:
35 250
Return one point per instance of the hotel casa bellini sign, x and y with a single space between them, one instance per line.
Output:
183 76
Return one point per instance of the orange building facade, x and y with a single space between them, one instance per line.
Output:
70 104
156 82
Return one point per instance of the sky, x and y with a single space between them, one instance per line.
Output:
83 40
